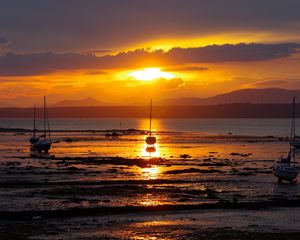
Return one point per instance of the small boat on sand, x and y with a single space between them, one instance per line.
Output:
44 142
285 168
150 139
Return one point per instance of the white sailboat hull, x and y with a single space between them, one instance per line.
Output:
285 171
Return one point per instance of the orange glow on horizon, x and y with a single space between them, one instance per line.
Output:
167 44
148 74
134 83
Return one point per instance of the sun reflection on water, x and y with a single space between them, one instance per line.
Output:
156 124
150 200
146 153
151 172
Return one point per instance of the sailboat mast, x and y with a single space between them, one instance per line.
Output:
45 133
150 127
293 122
294 116
47 118
34 120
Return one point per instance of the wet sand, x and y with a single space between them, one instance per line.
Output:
211 186
271 223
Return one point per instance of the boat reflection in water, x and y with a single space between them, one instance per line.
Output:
150 151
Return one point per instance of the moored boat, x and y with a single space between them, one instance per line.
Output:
285 168
43 145
150 139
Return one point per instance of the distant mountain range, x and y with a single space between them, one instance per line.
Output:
87 102
254 96
234 110
6 105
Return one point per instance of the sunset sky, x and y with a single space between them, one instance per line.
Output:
124 52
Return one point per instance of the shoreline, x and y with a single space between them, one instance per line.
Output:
98 211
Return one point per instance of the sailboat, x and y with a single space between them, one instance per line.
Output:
285 168
44 143
150 139
33 139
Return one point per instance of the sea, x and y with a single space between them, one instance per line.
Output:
238 126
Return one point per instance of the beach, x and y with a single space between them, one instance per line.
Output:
96 185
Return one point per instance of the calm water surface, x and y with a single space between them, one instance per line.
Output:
239 126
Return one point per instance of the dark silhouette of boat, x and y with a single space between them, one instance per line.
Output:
150 139
285 168
43 145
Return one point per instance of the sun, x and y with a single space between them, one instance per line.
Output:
148 74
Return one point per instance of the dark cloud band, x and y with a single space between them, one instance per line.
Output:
43 63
